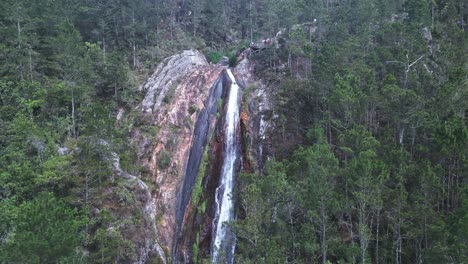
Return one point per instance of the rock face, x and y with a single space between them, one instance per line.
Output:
256 116
224 61
180 146
175 97
196 201
427 35
203 128
255 123
166 76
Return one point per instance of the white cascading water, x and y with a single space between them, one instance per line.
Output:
223 245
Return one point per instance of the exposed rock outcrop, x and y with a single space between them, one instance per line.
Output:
224 61
204 127
256 115
427 35
181 119
166 76
176 95
195 237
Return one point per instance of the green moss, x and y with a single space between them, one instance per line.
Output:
188 121
245 140
197 190
203 207
248 92
220 104
159 219
196 248
137 216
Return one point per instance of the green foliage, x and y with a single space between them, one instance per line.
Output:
367 139
197 189
232 60
261 232
54 170
196 248
192 109
164 160
46 230
111 245
419 11
151 131
214 57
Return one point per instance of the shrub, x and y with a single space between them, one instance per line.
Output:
170 93
192 109
214 57
232 60
164 160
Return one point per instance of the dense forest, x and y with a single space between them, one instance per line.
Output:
369 163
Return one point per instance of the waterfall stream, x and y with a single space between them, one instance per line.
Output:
224 245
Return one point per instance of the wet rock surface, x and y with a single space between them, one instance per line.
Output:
256 116
203 128
175 97
182 117
255 126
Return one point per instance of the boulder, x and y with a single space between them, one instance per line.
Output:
224 61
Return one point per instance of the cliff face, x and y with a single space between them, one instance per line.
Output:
180 139
257 115
175 96
167 75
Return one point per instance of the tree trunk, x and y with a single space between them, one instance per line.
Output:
362 231
20 66
73 111
251 21
401 135
134 55
398 246
104 48
323 230
30 64
432 15
291 222
377 238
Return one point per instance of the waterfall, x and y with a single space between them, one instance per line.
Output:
224 245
